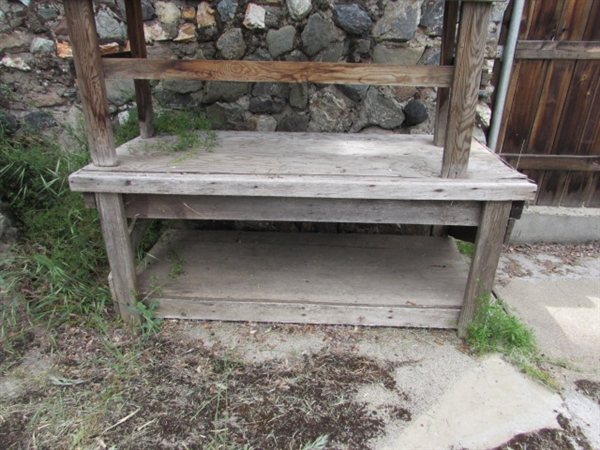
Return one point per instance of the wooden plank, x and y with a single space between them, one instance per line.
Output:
570 130
592 30
261 311
446 59
319 165
593 200
301 209
296 276
553 162
470 50
90 80
520 120
545 20
574 20
306 154
550 107
278 71
307 187
539 21
572 26
488 246
558 50
120 255
143 91
579 183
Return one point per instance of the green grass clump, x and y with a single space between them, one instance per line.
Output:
192 130
59 265
465 248
494 330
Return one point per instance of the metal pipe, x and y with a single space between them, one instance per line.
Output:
508 60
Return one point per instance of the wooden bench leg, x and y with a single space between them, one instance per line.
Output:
488 246
120 255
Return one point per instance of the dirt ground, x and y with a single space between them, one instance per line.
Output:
202 385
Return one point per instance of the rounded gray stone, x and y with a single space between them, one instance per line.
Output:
381 111
42 45
352 18
299 9
281 41
182 86
317 34
47 13
329 112
266 105
399 21
120 92
109 28
39 121
227 9
432 16
224 91
231 44
415 113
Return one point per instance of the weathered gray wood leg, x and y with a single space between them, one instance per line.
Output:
120 255
488 246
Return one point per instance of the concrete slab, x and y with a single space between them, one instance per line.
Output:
565 315
557 225
485 408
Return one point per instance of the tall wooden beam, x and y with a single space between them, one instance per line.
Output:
446 59
143 93
488 246
472 36
90 79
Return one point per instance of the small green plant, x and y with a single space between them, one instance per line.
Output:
465 248
177 264
192 130
494 330
150 324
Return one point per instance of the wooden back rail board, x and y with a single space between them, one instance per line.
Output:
300 177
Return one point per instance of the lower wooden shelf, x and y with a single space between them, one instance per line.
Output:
376 280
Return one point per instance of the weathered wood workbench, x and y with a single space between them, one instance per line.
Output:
447 179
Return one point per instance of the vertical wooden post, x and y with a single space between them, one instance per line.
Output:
120 255
143 93
488 247
90 79
472 36
446 59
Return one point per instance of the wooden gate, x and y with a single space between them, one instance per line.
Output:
551 126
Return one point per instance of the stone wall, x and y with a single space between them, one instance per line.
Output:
37 80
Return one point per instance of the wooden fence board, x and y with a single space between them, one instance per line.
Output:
552 106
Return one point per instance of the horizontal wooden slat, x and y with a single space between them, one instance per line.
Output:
302 209
301 277
303 186
558 50
279 71
553 162
262 311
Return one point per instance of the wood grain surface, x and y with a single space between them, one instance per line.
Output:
297 277
472 35
90 80
278 71
310 165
